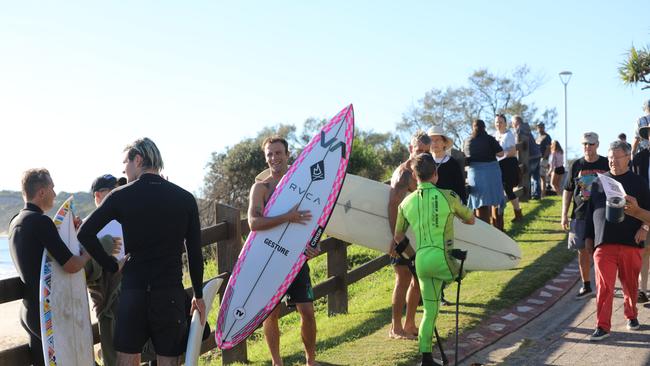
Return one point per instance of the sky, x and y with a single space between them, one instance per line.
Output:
80 80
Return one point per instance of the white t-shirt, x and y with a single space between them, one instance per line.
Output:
506 140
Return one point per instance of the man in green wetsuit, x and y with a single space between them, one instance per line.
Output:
430 212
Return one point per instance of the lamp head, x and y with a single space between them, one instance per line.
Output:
565 76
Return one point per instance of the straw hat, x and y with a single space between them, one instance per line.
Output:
438 131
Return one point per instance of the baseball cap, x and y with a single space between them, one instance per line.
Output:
106 181
590 138
540 124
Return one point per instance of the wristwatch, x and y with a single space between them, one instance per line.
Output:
645 227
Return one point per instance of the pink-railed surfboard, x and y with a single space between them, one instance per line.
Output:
271 259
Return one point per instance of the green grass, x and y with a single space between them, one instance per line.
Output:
360 337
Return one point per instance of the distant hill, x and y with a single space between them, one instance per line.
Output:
12 201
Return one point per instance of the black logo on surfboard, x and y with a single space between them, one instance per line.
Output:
331 144
239 313
318 171
314 239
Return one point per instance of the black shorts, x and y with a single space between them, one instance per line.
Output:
160 314
300 290
400 261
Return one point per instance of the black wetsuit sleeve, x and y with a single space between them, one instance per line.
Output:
48 235
459 181
495 145
87 234
193 247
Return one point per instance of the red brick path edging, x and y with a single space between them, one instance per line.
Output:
509 320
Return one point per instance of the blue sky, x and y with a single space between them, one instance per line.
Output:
80 80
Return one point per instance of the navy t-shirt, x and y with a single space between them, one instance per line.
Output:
583 174
605 232
482 148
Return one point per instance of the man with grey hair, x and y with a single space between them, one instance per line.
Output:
523 133
583 172
618 241
159 220
641 135
407 289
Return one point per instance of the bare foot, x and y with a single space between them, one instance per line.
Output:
401 335
412 331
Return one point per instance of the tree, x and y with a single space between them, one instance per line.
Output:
231 173
485 95
636 69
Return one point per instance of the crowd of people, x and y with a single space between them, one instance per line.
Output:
134 274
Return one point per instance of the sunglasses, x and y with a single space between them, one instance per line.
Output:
587 144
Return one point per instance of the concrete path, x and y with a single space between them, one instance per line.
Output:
560 336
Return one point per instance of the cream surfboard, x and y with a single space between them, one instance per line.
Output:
271 259
65 315
361 217
195 338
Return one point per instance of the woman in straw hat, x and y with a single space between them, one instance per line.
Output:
450 174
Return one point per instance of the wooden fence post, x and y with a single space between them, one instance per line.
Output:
337 266
227 253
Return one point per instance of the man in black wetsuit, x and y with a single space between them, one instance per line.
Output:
30 232
158 219
300 292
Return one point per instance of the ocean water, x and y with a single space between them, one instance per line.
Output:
6 264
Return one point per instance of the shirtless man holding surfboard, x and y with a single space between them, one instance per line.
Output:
406 288
300 293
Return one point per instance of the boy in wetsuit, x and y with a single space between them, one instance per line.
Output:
430 211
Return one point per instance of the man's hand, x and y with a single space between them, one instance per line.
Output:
312 252
76 221
564 222
199 304
641 235
122 262
471 221
393 251
298 216
117 246
589 244
632 206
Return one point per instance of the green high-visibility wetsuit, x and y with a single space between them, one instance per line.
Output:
430 212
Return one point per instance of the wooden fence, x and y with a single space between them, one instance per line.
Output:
227 234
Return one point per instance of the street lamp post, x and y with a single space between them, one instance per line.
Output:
565 76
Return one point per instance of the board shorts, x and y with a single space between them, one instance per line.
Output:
300 290
576 234
159 314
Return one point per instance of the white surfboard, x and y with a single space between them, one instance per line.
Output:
65 315
361 217
195 338
271 259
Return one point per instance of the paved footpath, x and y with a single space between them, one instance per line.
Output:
560 336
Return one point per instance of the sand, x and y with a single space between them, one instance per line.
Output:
11 332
